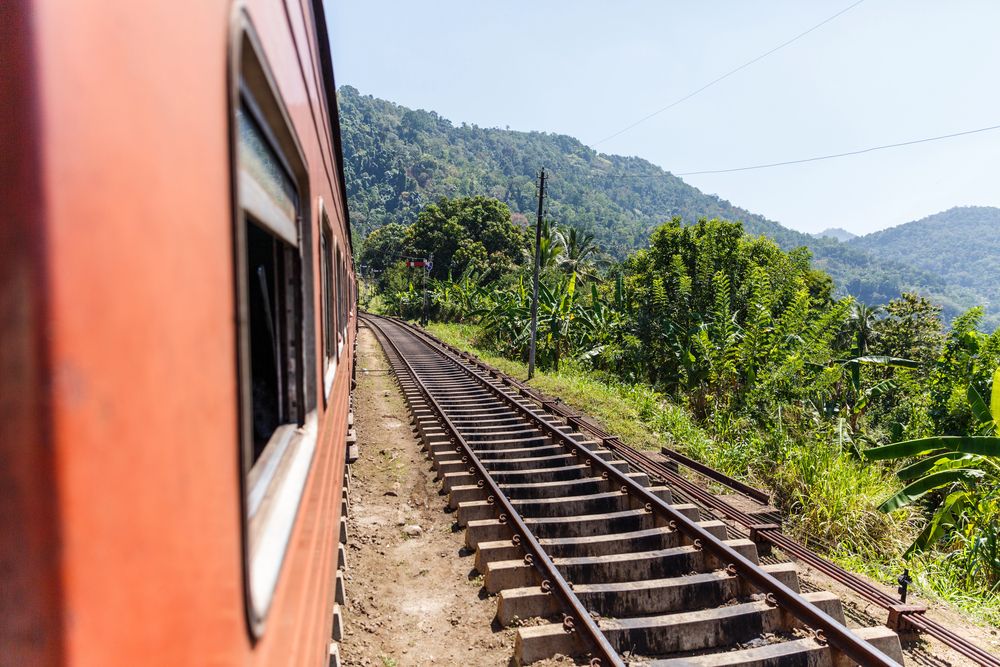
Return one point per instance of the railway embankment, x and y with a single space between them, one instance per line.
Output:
491 438
627 414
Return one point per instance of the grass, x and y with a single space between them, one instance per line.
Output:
622 409
828 496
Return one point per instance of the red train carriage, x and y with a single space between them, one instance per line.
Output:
176 324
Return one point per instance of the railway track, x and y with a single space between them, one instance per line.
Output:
587 553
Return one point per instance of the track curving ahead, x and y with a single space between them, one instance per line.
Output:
563 527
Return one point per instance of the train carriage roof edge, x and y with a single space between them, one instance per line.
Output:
329 83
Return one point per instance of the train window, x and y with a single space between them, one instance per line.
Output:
271 277
341 316
275 331
344 298
326 297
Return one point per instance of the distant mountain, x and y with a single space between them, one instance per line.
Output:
398 159
961 246
835 233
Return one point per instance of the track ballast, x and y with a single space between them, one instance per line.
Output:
589 557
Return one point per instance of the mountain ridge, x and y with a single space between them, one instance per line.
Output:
835 233
397 160
966 248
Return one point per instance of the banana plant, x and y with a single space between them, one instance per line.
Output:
858 399
951 474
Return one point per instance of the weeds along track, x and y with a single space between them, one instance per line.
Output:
587 554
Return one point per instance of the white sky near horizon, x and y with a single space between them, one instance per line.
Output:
886 71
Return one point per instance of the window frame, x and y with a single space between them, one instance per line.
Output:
328 287
272 485
341 314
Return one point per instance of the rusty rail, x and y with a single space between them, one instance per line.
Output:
828 628
899 617
713 474
539 558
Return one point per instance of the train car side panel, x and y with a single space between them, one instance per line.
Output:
137 182
121 391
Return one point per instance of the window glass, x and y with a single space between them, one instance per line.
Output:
266 191
271 264
341 315
329 287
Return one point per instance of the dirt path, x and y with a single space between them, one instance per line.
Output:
410 600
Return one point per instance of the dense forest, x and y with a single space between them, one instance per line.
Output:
960 244
874 428
398 160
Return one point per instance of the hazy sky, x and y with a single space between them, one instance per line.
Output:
886 71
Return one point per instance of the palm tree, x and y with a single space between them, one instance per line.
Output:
580 255
861 324
550 248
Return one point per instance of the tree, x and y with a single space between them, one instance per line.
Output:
861 326
579 253
957 479
381 249
464 232
549 248
911 328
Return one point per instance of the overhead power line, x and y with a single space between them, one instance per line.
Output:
837 155
728 74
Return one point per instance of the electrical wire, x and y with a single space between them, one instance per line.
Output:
839 155
728 74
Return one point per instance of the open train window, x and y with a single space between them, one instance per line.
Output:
275 330
330 284
341 314
272 271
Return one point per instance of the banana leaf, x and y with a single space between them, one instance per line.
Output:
946 516
882 360
964 444
979 408
924 485
924 465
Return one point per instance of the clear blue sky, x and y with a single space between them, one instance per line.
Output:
886 71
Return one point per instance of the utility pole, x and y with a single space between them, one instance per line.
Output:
423 287
534 283
428 264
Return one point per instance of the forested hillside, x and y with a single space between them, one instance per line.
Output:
961 245
399 159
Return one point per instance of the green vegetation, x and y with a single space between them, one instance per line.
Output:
399 160
960 245
741 354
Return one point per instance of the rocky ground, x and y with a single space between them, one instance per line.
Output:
413 597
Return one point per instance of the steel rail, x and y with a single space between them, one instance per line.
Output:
827 628
523 535
717 476
862 587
